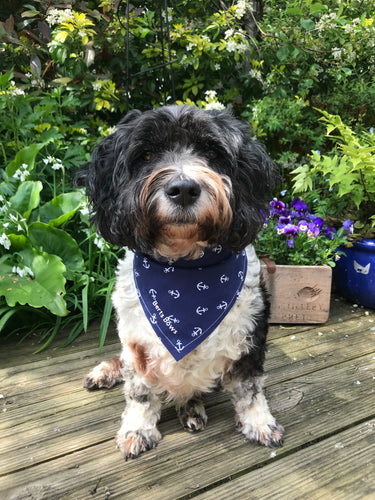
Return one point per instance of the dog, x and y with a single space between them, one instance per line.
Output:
183 189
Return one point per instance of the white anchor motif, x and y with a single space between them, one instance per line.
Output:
172 319
217 249
179 346
153 319
222 305
197 331
136 274
224 278
153 293
169 269
174 293
146 263
201 310
240 275
202 286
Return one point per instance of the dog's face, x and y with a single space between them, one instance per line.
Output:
175 179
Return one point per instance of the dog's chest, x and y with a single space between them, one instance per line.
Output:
202 368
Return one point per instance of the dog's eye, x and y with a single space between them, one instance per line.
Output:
211 155
149 156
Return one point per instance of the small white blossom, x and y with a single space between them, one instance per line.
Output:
214 105
22 272
5 241
210 94
58 16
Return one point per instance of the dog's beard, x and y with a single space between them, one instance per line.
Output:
185 231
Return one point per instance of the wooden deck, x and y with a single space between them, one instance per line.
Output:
57 439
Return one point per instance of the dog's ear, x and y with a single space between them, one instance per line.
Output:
254 177
98 175
254 180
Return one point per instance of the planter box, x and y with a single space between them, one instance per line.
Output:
298 294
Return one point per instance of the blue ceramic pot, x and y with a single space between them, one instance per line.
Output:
354 274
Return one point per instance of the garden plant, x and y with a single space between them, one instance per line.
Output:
67 75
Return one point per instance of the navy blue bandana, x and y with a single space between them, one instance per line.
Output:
185 300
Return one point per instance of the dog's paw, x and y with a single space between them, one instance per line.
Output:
271 434
133 443
192 415
105 375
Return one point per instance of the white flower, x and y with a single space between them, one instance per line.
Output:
217 66
58 16
210 94
5 241
55 163
214 105
100 242
190 46
228 34
96 86
21 173
22 272
240 9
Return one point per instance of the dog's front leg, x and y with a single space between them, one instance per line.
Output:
253 417
138 432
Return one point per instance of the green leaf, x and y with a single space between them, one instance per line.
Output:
26 155
57 242
27 197
283 53
60 209
44 289
308 24
106 315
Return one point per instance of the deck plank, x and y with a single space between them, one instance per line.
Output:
57 440
340 467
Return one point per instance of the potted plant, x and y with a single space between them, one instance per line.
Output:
298 251
343 183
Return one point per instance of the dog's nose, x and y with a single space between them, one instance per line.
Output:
183 192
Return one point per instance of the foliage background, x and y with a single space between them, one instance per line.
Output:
63 86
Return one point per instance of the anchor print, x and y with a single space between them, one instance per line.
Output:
222 306
174 293
217 249
172 319
224 278
146 263
241 275
202 286
179 346
153 293
169 269
197 331
153 319
201 310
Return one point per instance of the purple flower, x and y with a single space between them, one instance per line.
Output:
313 230
291 230
303 226
347 225
290 243
277 206
283 221
318 222
300 206
330 232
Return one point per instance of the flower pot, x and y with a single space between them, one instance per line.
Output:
298 294
354 274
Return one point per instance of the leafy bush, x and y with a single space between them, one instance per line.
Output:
68 76
343 180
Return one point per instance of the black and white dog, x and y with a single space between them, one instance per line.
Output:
183 190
